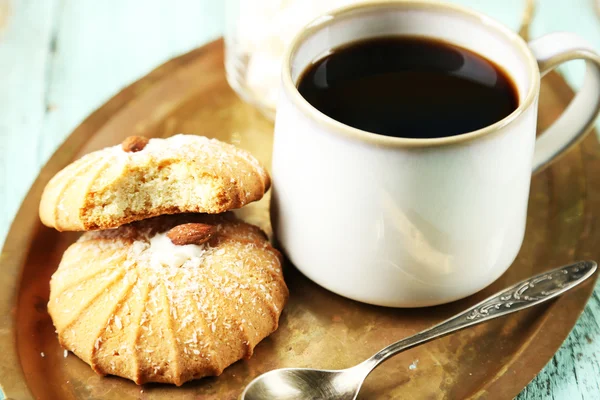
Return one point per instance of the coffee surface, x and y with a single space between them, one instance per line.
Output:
409 87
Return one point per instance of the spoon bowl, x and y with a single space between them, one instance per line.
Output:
304 384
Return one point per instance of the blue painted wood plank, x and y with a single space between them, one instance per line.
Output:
24 60
574 372
102 46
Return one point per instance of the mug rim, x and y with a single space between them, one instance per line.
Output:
391 141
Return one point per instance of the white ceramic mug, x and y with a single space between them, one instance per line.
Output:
416 222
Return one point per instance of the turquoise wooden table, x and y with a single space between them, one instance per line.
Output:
61 59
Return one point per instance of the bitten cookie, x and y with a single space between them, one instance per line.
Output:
143 178
130 302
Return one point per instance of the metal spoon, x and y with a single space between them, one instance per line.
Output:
305 383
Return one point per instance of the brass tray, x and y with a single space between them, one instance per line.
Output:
318 329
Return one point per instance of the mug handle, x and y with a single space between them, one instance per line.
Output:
578 118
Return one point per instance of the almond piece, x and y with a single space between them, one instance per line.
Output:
133 144
192 233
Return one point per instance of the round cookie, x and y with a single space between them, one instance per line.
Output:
143 178
131 303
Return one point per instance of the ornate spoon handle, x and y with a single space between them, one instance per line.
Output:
525 294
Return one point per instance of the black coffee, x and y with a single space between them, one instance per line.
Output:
409 87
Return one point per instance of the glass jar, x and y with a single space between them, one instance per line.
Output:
256 35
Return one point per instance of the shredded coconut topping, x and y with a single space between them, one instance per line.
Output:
162 253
